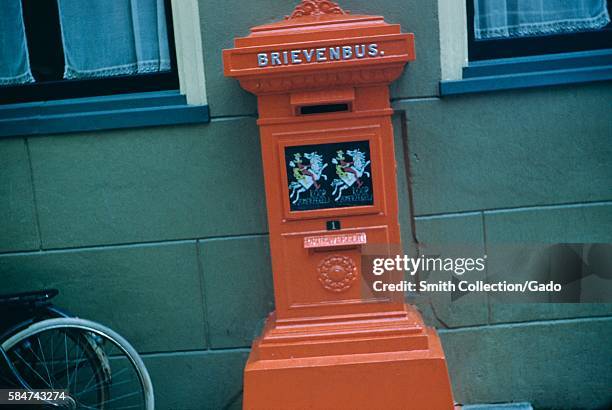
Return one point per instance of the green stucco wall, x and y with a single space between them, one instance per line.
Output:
157 233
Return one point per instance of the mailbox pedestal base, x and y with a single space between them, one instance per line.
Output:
399 365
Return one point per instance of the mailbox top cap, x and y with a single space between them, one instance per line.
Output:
315 23
319 37
317 20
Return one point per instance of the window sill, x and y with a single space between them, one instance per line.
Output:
530 72
99 113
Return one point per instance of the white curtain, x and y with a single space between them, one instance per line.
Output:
14 60
113 37
519 18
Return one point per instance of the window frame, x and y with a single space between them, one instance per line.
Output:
187 103
479 50
82 88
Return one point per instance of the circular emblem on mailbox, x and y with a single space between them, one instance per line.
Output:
337 273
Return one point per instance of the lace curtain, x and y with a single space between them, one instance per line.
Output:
104 38
14 60
518 18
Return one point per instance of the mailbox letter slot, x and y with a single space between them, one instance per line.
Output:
323 109
323 102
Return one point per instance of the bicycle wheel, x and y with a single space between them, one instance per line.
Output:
96 367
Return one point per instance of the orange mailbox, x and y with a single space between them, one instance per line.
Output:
322 77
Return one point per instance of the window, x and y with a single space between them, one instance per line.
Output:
60 49
517 28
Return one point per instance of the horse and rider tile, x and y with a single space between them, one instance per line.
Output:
327 176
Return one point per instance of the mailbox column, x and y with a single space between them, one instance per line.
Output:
321 77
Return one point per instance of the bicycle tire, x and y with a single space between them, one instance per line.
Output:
95 328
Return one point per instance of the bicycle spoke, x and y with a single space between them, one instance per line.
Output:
57 376
82 406
76 365
52 352
8 382
93 377
121 397
80 364
136 406
44 362
99 384
39 360
31 368
115 384
66 350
